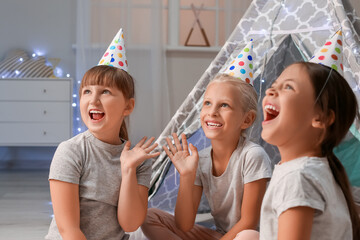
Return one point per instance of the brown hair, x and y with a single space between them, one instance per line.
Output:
333 93
112 77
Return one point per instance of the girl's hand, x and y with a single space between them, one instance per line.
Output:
130 159
180 156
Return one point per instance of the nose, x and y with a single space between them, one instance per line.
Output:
271 91
94 99
213 111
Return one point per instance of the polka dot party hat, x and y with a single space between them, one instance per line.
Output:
115 54
242 66
331 53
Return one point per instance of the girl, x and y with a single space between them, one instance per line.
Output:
307 112
98 185
233 172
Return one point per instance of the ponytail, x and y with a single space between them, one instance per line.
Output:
341 178
123 131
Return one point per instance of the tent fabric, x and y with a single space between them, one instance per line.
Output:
283 32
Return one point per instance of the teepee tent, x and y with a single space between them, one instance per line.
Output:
283 32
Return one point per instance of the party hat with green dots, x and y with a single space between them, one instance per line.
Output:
115 54
331 53
242 66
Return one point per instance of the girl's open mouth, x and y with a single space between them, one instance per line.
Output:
270 112
96 114
213 124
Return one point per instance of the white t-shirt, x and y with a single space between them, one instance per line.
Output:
95 166
249 162
308 182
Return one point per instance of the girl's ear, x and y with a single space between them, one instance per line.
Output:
321 121
129 107
248 119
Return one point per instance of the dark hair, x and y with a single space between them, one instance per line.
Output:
112 77
333 93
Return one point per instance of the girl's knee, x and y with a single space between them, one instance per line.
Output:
154 217
151 217
247 235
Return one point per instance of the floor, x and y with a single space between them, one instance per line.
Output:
25 206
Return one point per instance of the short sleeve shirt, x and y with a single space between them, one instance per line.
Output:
249 162
306 182
95 166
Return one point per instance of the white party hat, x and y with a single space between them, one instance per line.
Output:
242 66
331 53
115 54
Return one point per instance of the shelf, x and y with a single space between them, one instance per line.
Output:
148 47
192 49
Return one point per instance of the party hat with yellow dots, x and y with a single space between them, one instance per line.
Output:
115 54
242 66
331 53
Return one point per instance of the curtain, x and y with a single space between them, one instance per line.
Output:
142 21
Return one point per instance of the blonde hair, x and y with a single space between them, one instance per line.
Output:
247 94
112 77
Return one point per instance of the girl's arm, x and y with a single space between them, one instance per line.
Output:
65 201
133 198
189 195
187 203
250 208
295 223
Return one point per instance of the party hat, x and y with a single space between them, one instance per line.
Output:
331 53
242 66
115 54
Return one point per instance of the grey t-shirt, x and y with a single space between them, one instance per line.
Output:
308 182
95 166
249 162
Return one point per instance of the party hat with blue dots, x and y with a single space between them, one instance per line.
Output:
242 66
115 54
331 53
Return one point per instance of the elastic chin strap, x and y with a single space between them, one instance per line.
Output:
322 89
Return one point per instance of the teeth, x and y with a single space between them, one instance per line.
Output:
94 111
214 124
271 107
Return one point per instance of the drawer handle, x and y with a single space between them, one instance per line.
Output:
44 91
44 133
45 112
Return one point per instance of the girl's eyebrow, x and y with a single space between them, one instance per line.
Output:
289 80
286 80
223 99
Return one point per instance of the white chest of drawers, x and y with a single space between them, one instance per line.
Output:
35 111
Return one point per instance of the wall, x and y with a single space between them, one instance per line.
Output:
184 70
47 27
44 26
